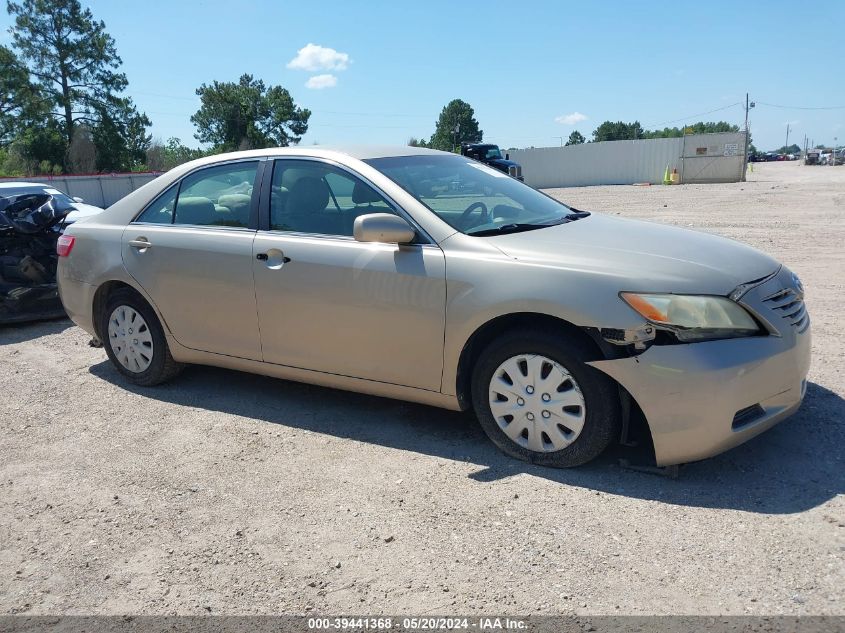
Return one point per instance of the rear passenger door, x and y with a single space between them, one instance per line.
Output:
334 305
191 250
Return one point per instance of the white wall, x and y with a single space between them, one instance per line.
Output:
698 158
101 191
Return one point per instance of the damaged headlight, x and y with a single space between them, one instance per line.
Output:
693 317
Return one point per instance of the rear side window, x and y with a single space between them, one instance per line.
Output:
161 211
215 196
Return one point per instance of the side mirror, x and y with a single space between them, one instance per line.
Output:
78 199
507 156
382 227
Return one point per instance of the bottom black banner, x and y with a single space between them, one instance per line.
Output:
538 624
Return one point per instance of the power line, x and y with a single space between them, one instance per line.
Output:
774 105
692 116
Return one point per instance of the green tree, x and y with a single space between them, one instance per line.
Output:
416 142
456 125
709 127
21 105
38 149
618 131
248 115
121 141
74 60
789 149
163 157
576 138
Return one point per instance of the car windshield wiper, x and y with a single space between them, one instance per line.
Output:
513 227
516 227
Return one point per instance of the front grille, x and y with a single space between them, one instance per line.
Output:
789 305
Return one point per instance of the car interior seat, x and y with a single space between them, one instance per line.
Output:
195 210
237 205
306 208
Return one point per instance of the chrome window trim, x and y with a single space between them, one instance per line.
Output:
217 227
396 206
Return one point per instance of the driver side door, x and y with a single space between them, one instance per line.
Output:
331 304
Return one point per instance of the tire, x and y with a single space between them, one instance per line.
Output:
586 388
155 364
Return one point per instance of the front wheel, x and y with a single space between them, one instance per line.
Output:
134 340
538 401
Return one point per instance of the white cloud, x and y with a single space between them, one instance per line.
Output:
313 57
318 82
571 119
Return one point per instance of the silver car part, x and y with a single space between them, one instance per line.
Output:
130 339
537 403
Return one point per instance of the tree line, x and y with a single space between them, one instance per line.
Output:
621 131
63 107
457 124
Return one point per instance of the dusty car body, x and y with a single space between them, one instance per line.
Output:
551 330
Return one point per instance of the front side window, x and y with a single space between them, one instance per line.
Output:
314 197
470 196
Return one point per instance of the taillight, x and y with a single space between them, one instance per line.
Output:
65 245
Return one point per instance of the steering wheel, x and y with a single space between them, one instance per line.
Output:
485 214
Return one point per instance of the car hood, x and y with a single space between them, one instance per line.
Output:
643 256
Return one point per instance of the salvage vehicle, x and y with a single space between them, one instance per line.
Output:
32 216
491 155
367 270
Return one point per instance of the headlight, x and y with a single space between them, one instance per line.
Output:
693 318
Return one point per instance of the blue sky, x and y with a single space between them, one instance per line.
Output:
533 70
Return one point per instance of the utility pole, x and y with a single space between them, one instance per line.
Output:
786 145
561 140
748 106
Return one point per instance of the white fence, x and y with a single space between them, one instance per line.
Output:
100 190
699 158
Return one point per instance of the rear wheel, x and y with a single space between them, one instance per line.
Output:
538 401
134 339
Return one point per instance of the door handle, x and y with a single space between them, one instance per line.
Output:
141 243
263 257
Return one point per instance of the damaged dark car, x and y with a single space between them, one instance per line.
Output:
30 226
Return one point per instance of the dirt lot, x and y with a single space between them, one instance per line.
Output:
230 493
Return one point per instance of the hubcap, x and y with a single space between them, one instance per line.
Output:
537 403
130 339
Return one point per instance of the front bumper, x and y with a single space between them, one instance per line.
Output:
691 394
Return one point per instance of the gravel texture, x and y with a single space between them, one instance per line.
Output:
230 493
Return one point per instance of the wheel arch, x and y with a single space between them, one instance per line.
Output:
106 289
487 332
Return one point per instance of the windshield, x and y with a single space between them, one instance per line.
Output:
493 152
469 196
8 192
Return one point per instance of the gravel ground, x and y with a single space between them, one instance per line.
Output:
230 493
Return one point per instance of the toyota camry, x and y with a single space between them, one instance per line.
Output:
429 277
